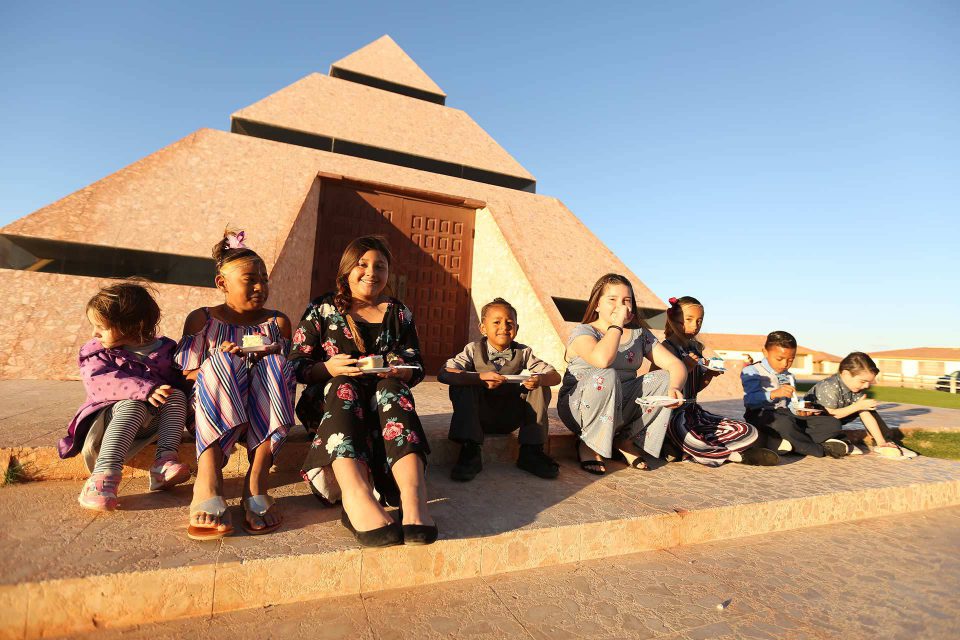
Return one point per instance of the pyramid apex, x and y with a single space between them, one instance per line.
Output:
385 65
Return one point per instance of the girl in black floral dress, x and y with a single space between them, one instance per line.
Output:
366 424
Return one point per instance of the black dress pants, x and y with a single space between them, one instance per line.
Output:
803 434
478 411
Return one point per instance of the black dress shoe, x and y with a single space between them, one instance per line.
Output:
469 464
418 534
760 457
386 536
835 448
533 459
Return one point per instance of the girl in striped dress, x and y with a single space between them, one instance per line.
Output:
239 392
702 436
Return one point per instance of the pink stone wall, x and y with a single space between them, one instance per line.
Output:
290 278
45 324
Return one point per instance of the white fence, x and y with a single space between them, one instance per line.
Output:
935 383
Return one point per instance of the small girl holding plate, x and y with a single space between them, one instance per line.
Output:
702 436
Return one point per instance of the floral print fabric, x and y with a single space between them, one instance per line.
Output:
366 418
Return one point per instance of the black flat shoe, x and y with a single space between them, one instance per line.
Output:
760 457
416 534
386 536
596 467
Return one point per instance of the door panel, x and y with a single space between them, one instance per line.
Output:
432 247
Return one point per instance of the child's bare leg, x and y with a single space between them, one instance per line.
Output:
408 471
362 508
869 420
257 484
209 483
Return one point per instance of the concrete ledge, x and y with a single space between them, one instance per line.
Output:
143 569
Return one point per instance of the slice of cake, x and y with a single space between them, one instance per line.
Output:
716 363
254 340
370 362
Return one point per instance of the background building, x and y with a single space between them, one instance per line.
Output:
369 148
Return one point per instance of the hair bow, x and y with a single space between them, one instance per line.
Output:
235 240
673 302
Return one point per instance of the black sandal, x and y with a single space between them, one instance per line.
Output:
596 467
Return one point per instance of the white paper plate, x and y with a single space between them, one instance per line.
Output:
385 369
713 369
657 401
518 378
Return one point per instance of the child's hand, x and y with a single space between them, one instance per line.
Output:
492 379
159 395
676 394
866 404
784 391
342 365
533 382
620 315
230 347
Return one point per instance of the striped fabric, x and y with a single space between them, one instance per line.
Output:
234 397
707 438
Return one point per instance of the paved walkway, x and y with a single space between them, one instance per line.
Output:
34 413
894 577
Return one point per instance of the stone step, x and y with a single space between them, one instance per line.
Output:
66 570
33 414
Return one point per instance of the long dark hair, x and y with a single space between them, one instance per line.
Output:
597 292
351 256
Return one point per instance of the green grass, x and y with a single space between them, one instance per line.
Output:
922 397
936 444
14 474
916 396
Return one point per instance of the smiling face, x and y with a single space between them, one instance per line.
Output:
780 358
859 381
369 277
108 336
499 326
244 283
613 297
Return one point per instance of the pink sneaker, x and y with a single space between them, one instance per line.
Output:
100 492
167 472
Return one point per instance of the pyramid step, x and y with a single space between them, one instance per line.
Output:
503 521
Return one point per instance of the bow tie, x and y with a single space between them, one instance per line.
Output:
500 355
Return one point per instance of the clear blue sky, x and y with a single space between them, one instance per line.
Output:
812 147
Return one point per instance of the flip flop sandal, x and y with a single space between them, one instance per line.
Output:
258 506
596 467
215 506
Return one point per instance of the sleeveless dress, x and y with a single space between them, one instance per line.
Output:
705 437
231 391
600 404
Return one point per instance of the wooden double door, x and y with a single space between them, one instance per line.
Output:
432 246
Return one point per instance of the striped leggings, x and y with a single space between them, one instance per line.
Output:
130 418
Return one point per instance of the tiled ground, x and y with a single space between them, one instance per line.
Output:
894 577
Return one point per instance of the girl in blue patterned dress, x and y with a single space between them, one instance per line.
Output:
236 395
